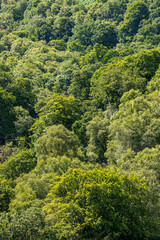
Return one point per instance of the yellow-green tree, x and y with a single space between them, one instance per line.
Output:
98 203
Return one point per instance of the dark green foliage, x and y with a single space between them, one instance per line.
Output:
79 128
5 77
90 33
80 83
6 193
136 11
83 33
44 32
97 133
62 28
105 33
19 10
24 94
64 76
7 116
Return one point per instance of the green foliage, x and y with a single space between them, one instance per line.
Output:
25 198
97 132
20 45
80 83
26 225
24 94
76 46
79 128
57 166
135 125
32 188
6 193
86 75
6 151
147 36
136 11
87 2
154 84
64 75
21 162
95 55
62 28
112 10
90 33
58 44
147 162
24 34
44 32
98 203
5 77
7 116
110 82
57 141
58 110
23 121
82 33
105 33
110 55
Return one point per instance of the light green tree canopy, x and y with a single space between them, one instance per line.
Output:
57 141
98 203
135 125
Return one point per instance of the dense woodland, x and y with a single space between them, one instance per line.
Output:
79 119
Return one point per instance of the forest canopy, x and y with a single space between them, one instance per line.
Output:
79 119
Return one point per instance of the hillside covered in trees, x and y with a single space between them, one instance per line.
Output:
79 120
